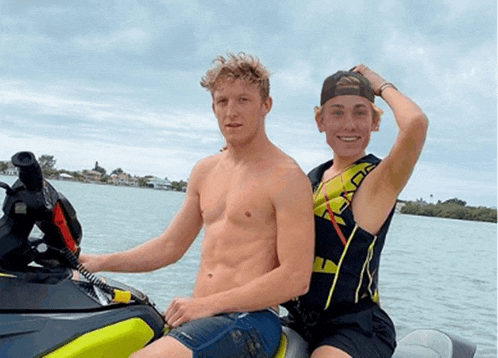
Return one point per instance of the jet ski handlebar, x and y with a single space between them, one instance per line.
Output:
30 173
34 201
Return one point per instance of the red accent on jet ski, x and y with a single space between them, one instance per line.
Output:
61 222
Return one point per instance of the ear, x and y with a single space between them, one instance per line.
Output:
376 122
267 104
319 120
376 118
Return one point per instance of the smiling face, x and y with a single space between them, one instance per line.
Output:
347 122
240 110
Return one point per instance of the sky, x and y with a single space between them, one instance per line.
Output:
118 81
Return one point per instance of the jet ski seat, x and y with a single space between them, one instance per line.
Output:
292 345
431 343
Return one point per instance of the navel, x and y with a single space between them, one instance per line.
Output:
210 275
248 214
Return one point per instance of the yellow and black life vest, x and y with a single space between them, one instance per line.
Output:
347 257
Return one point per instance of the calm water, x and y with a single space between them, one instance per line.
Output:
435 273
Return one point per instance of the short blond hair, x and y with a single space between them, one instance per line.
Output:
241 66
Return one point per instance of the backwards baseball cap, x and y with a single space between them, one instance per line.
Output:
330 89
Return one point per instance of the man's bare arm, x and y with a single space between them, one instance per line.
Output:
398 166
162 250
295 250
381 188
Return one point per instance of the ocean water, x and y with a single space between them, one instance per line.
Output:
435 273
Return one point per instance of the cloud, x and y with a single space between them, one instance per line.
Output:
174 163
134 40
75 113
124 77
446 181
96 105
295 79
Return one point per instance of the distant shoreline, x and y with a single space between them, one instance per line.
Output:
138 182
450 209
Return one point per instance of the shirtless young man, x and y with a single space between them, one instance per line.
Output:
255 204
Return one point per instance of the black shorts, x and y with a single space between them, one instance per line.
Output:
365 333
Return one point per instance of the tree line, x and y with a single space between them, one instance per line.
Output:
450 209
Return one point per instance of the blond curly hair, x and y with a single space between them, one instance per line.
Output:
241 66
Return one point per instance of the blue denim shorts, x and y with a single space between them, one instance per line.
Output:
247 334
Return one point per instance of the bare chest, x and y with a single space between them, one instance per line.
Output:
236 197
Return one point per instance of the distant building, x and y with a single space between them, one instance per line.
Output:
65 176
92 175
158 183
11 170
421 202
123 179
399 205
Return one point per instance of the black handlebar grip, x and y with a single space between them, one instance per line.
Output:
30 172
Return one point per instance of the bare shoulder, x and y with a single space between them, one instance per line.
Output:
202 169
288 175
285 165
207 163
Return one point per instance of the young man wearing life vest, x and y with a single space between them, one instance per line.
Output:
255 205
354 198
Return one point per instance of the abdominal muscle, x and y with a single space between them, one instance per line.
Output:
231 257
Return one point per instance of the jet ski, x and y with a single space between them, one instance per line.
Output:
50 306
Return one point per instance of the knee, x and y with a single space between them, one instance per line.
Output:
329 352
164 347
137 354
144 352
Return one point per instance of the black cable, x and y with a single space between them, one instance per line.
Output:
75 264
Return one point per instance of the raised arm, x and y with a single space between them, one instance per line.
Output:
162 250
381 188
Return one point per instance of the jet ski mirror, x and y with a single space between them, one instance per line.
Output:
34 201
